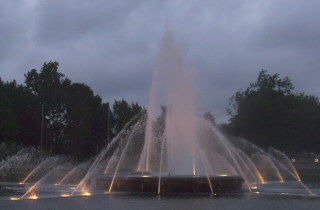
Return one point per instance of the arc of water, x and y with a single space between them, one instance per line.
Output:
101 155
287 160
204 160
4 165
93 166
38 182
87 176
284 167
2 162
245 165
160 165
228 147
275 160
206 163
121 157
11 159
267 158
252 164
36 168
297 178
71 172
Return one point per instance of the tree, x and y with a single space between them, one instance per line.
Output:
49 86
86 122
75 118
25 115
305 130
124 112
269 114
210 117
8 121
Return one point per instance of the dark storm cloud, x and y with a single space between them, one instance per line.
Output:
112 45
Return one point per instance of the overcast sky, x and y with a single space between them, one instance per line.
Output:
111 45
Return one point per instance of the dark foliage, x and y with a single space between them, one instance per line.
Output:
65 118
269 114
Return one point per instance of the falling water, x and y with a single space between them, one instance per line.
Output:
31 191
180 127
176 142
71 173
49 160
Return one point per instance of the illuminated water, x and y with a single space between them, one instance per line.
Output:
272 196
145 201
187 144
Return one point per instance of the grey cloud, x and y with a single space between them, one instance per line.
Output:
67 20
112 45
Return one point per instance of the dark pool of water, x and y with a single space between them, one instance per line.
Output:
270 196
143 201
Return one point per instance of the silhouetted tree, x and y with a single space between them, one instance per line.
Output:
269 114
210 117
75 119
124 112
23 116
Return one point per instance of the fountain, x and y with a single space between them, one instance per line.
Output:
179 151
173 156
172 150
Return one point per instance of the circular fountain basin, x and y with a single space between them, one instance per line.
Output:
168 183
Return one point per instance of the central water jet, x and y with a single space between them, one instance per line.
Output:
174 156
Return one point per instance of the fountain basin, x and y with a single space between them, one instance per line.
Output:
168 183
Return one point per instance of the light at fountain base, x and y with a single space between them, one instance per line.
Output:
169 183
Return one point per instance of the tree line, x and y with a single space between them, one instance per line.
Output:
62 117
67 118
269 114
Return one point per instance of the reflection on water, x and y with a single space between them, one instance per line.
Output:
14 190
245 200
271 195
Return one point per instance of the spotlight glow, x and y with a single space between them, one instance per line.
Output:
33 197
86 193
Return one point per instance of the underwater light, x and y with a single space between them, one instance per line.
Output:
14 199
33 197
